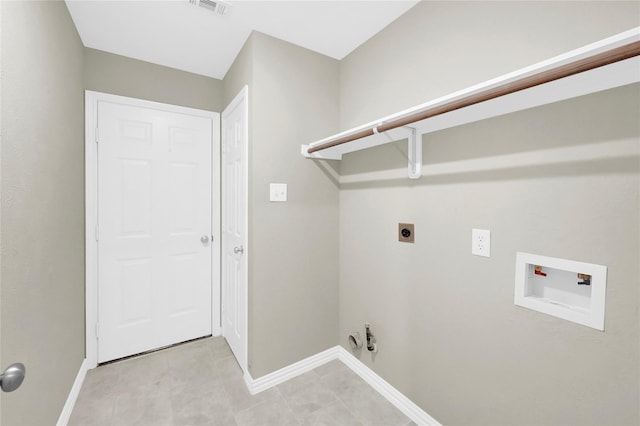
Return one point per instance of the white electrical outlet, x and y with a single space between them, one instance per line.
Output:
278 192
481 242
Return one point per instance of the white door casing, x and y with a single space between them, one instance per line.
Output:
235 225
151 281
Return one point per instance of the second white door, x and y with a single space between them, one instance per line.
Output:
155 228
235 226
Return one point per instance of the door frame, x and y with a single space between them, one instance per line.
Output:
242 100
92 99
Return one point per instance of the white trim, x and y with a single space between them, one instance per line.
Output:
91 209
73 394
216 231
280 376
91 219
394 396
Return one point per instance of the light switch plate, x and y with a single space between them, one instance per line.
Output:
481 242
278 192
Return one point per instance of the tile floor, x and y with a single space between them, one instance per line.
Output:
200 383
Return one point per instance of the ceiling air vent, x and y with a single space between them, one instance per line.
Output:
219 7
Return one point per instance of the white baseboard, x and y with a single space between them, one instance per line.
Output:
273 379
394 396
73 394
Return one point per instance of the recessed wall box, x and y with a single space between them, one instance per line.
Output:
406 233
558 287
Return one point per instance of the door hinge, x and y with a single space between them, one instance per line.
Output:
97 233
97 134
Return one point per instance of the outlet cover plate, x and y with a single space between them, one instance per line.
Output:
278 192
481 242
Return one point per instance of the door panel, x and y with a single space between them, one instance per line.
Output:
234 225
135 186
133 288
154 205
182 299
183 179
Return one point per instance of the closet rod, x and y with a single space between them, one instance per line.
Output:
601 59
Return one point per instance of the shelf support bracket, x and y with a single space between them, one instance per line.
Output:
414 153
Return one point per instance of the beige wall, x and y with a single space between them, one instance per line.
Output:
293 270
442 46
119 75
450 337
239 74
42 159
560 180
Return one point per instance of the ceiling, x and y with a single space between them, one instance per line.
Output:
180 35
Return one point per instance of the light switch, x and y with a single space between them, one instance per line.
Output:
278 192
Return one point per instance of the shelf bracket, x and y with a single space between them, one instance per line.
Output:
414 152
319 155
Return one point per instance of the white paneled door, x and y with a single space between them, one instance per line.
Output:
154 229
234 225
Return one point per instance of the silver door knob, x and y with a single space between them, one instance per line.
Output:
204 239
12 377
237 250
